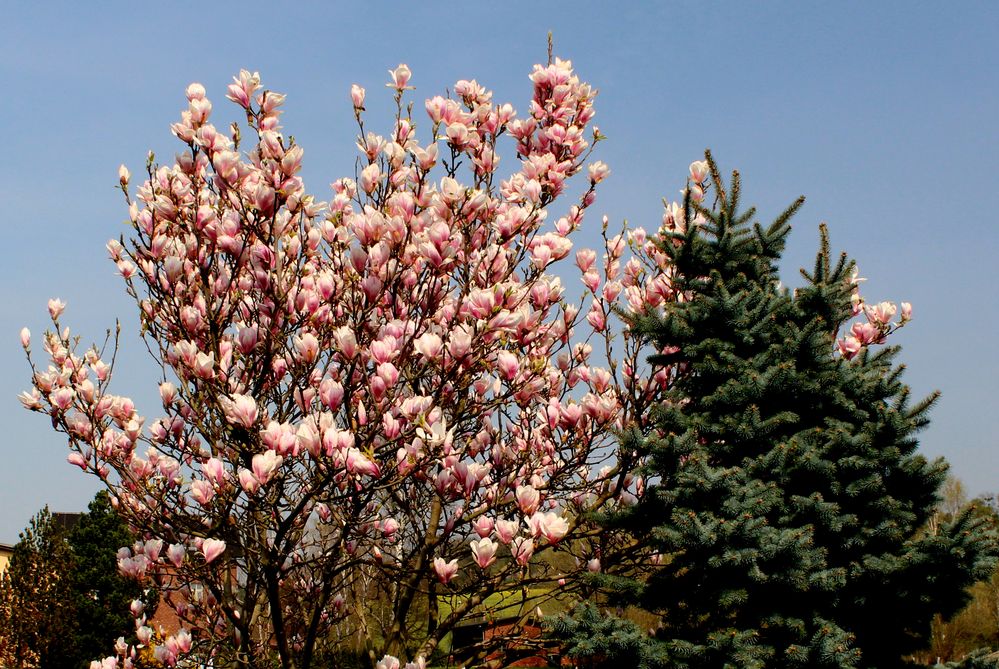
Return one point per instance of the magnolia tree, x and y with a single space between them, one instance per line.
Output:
370 404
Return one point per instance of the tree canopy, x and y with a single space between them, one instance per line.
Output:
785 493
63 602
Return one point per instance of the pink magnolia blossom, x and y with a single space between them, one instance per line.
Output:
214 470
699 171
31 400
240 409
549 524
388 373
483 526
56 307
77 459
849 346
370 176
506 530
62 398
460 344
248 481
165 656
507 365
137 607
598 171
522 548
866 333
309 438
244 87
357 96
247 339
596 317
152 549
437 435
212 548
280 438
585 259
306 347
331 393
204 365
358 463
202 492
400 77
183 640
881 313
265 465
484 551
176 553
133 566
445 570
144 634
168 392
195 91
528 499
428 345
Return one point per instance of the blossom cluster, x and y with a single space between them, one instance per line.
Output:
360 392
877 323
385 396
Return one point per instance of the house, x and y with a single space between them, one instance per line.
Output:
510 622
6 550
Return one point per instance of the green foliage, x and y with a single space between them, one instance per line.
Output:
977 624
37 620
62 600
784 483
602 639
101 595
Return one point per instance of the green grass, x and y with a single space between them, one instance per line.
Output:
508 604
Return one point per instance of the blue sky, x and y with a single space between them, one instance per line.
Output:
882 114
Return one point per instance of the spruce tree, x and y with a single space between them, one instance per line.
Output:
101 594
786 494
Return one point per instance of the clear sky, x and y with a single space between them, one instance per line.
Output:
883 114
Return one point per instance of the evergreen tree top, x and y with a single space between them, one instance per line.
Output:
786 493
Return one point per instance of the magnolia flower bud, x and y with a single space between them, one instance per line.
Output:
400 77
699 171
56 307
357 96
